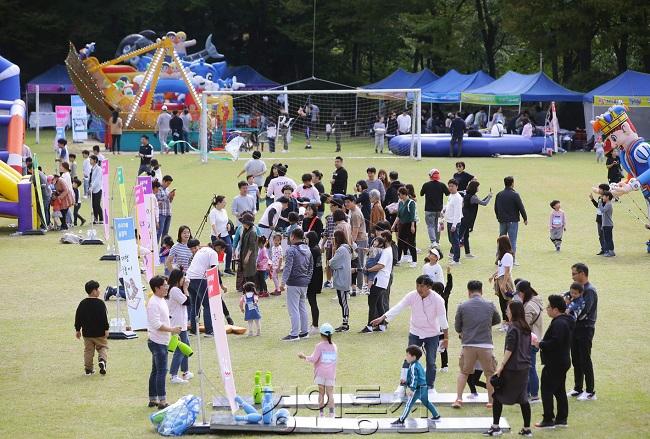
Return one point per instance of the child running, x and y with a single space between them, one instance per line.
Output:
557 224
416 381
91 322
324 358
249 305
275 264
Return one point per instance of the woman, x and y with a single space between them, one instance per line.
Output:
177 301
513 371
382 176
316 281
271 176
377 213
64 196
533 308
503 284
404 225
116 131
341 223
220 229
341 264
391 127
311 221
471 201
180 254
363 200
248 248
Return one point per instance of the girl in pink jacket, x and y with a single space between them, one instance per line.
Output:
324 358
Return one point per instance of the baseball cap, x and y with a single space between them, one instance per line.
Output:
326 329
164 108
434 251
434 174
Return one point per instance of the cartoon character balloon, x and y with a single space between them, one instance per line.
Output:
618 132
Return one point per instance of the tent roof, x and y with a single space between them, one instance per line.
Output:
53 81
400 78
628 84
449 87
249 76
513 88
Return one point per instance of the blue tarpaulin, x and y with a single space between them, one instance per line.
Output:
448 88
249 76
53 81
629 84
400 78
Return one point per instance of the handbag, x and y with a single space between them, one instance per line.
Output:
504 287
497 381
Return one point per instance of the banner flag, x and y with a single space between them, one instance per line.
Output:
130 272
120 183
142 218
106 203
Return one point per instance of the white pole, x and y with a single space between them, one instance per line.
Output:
203 129
38 114
418 125
356 110
414 122
286 102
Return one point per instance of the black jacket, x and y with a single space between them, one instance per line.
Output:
508 206
176 124
556 344
391 193
589 314
433 192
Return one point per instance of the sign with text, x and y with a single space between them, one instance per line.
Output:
130 272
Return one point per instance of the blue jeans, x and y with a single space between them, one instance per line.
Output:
430 345
164 221
178 359
158 371
533 379
511 230
454 240
199 296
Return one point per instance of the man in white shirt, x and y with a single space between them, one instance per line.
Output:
404 123
162 127
497 129
453 214
307 193
95 187
428 323
159 330
186 117
278 183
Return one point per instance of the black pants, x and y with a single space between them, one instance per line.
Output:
313 305
406 242
343 303
552 386
177 137
601 238
77 206
444 355
260 281
385 298
464 237
64 219
97 206
456 140
116 141
583 369
474 380
497 408
503 304
608 238
375 303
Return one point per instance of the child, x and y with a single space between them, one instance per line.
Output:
380 130
86 167
444 290
417 382
254 191
474 381
275 265
324 358
574 300
557 224
165 248
262 267
607 211
56 213
271 133
178 301
432 268
156 172
374 254
600 150
91 321
73 166
77 200
248 303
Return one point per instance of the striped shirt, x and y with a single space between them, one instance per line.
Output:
180 256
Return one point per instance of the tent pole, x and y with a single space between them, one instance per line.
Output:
519 111
38 114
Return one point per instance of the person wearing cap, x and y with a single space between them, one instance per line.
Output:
271 216
432 269
298 268
324 359
433 191
255 167
248 248
162 128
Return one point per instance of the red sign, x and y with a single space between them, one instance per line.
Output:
214 287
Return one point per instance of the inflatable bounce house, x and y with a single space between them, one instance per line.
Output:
146 74
17 197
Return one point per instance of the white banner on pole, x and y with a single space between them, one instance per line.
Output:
130 272
79 119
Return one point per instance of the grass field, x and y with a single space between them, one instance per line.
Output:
44 392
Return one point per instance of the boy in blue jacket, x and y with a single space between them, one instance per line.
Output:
416 380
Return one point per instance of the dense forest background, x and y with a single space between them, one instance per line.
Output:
581 43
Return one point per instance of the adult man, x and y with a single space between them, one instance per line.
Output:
508 207
339 179
165 197
457 130
242 202
453 216
162 128
176 129
145 152
428 319
554 348
95 187
404 123
256 168
186 117
474 320
359 235
276 185
271 215
374 183
583 335
296 276
462 176
433 191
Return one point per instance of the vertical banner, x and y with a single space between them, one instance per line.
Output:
144 230
39 192
106 203
79 119
220 339
150 203
62 119
130 272
120 184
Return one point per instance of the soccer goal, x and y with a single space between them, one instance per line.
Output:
307 120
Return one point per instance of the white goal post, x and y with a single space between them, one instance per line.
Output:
282 117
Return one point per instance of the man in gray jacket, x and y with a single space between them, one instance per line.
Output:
297 272
474 320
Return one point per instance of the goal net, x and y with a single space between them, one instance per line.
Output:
322 121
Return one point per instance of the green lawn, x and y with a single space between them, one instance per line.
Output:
45 395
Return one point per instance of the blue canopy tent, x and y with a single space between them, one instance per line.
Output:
400 78
448 88
251 77
631 88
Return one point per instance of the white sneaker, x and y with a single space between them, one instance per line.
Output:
404 259
452 262
419 250
188 376
584 396
443 369
472 396
470 256
433 391
314 330
413 264
178 380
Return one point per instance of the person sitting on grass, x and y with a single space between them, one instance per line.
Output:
91 321
417 383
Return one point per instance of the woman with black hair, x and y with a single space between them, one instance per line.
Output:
471 201
316 282
502 278
178 300
273 174
533 308
116 131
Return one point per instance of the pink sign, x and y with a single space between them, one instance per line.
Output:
144 229
62 115
145 181
106 199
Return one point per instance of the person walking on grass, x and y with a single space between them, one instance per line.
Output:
91 322
433 191
178 300
324 359
453 215
471 202
296 276
508 208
